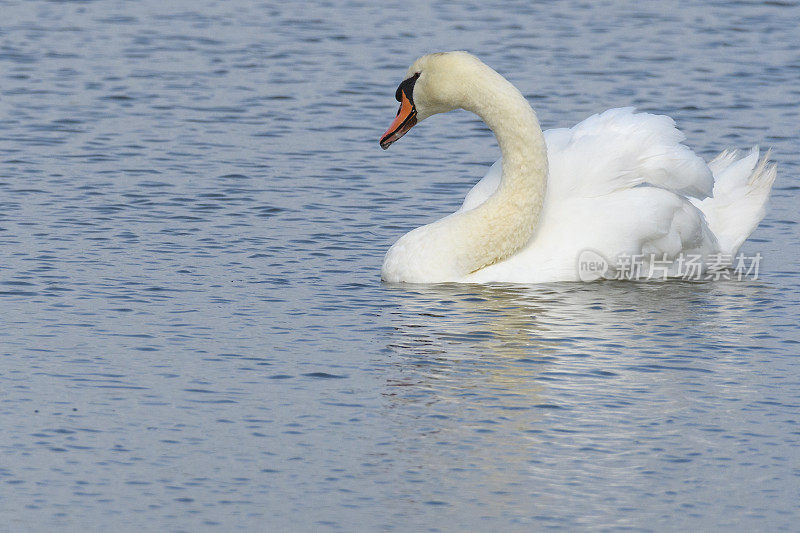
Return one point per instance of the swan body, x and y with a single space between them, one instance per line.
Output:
619 184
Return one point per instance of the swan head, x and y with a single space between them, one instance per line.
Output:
435 83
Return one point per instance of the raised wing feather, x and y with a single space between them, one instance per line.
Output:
612 151
620 149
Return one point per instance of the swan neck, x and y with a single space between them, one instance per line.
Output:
507 219
517 130
458 245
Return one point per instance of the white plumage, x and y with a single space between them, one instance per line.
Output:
619 183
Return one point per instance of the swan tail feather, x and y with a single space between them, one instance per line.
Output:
741 189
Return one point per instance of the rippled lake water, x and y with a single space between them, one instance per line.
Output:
193 214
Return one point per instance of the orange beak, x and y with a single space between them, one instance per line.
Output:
405 120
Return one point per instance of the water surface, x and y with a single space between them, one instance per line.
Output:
194 336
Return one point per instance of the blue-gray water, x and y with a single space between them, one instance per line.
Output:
193 214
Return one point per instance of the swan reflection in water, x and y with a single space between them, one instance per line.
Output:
503 346
513 396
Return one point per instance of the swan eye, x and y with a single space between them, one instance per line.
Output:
407 88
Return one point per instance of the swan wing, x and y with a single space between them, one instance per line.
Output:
616 150
484 188
620 149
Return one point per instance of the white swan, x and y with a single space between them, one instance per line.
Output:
619 184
